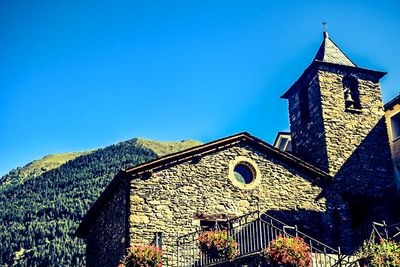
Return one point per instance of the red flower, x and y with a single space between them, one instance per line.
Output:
220 242
142 256
290 251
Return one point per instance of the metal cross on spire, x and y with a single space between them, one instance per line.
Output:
325 25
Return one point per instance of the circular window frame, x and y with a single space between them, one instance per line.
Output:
252 165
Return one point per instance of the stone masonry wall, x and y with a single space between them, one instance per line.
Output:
308 138
352 145
106 236
356 141
169 200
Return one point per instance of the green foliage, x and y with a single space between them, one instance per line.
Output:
383 254
164 148
39 214
37 167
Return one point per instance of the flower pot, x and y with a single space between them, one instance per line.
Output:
214 253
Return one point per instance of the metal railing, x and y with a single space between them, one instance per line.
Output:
242 229
322 254
253 232
378 231
385 231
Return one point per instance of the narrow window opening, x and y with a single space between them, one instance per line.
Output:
157 240
351 93
395 125
283 144
289 146
304 105
336 225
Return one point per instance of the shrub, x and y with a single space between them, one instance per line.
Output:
289 251
142 256
218 244
383 254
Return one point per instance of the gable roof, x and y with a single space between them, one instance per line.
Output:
227 141
190 154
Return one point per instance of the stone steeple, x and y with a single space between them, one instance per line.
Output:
329 52
336 120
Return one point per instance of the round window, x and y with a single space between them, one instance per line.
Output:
243 174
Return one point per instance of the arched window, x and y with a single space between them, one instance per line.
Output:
351 92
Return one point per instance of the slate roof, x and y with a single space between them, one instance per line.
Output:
331 56
143 171
329 52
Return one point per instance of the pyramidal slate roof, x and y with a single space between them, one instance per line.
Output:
330 55
329 52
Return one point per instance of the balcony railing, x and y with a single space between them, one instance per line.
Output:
253 232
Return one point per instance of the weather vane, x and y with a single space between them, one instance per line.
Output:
325 25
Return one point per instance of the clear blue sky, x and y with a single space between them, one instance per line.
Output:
77 75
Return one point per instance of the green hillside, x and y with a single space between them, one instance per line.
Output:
165 148
42 203
37 167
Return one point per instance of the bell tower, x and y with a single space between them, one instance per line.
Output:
337 121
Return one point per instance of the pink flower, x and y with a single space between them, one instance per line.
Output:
288 250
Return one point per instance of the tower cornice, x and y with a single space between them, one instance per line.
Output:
316 64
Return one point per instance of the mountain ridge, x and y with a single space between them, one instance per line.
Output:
40 212
39 166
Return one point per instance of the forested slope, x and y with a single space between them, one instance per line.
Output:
37 167
39 212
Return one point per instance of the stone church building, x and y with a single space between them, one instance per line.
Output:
337 178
